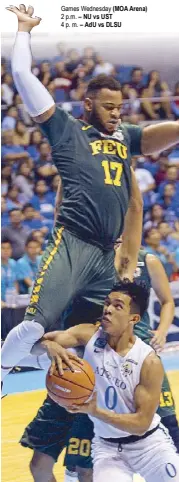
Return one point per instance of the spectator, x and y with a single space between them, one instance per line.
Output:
78 94
146 184
6 177
28 265
169 199
32 219
45 75
4 213
156 217
88 54
41 201
167 239
175 103
72 62
10 118
162 166
136 79
61 53
9 151
13 198
39 236
7 87
103 67
44 168
171 178
152 239
35 141
24 181
21 135
156 88
15 233
8 272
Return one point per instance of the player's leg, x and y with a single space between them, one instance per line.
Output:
53 289
167 411
46 435
154 457
99 287
41 467
78 451
108 463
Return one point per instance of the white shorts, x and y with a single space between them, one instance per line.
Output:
154 458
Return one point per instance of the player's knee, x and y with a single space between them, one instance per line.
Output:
41 467
84 475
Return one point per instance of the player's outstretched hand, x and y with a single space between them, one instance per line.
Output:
26 21
158 340
58 355
89 407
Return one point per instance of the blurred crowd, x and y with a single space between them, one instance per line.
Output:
29 179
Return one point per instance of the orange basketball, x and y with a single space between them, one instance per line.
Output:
71 387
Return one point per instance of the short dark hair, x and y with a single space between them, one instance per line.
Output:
5 241
14 209
102 81
138 292
26 206
31 239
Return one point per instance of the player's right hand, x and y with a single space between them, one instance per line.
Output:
24 15
58 354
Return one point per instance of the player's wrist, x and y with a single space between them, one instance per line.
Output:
23 27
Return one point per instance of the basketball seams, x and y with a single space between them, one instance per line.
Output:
73 383
66 398
88 377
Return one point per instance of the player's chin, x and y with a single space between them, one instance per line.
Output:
111 127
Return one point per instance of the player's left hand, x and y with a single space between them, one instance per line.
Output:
158 340
89 407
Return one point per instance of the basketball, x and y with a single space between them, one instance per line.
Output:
71 387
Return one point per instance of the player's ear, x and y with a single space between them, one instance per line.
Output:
88 104
135 318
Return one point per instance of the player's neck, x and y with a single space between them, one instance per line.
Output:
123 344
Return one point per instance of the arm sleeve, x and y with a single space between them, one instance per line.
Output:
135 135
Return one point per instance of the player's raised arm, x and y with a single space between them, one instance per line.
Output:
35 96
158 137
127 253
161 286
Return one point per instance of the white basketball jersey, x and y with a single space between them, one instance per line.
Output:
116 379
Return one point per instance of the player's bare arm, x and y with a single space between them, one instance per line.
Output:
55 344
26 22
161 286
146 397
158 137
127 253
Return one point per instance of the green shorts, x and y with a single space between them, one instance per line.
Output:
78 451
47 433
69 268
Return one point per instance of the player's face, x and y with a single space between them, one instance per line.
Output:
6 251
116 314
104 111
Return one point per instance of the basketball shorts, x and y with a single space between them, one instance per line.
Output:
69 268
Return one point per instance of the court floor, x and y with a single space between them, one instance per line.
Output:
18 409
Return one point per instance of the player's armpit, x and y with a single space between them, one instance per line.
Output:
45 116
147 393
75 336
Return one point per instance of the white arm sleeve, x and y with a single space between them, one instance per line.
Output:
34 95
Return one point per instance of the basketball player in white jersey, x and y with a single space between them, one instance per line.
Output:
129 437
